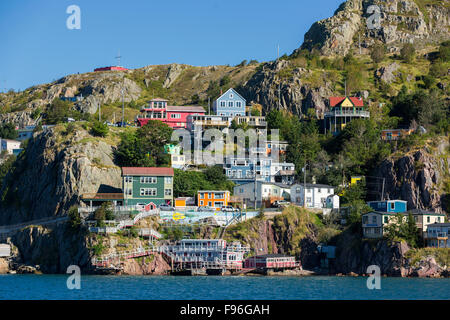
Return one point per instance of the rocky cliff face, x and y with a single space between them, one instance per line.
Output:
54 172
401 21
273 92
418 177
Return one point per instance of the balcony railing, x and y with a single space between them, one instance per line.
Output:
435 235
341 113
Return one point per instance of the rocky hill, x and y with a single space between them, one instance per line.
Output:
401 21
54 171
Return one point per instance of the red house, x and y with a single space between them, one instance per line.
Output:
174 116
271 261
111 68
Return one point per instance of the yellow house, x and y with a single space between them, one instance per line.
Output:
214 199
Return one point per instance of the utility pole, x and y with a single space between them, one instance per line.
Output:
279 81
304 186
382 190
118 59
99 112
123 108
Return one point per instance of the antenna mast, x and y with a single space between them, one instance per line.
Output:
118 59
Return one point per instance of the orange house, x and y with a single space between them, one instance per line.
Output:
211 198
395 134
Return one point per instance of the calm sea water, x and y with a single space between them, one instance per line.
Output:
50 287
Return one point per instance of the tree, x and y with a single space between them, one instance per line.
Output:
408 53
242 64
145 147
57 111
99 129
225 81
400 228
444 51
8 131
377 53
74 217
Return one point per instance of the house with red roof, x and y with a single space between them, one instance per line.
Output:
342 111
174 116
144 187
147 186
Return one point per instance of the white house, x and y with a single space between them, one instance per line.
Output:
316 194
263 190
282 172
9 145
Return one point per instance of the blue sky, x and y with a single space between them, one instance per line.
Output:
36 46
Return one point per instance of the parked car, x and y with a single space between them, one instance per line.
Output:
166 207
229 209
281 203
206 208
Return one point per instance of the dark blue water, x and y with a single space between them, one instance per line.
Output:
222 288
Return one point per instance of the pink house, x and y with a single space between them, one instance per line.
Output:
174 116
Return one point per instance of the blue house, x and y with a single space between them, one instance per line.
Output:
243 170
230 104
394 206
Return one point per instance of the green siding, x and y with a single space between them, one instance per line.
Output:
157 199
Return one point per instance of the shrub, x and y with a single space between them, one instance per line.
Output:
408 52
74 217
99 129
377 53
70 129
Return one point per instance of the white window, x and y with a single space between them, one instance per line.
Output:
128 191
128 179
167 192
308 199
148 192
231 96
168 180
175 116
148 180
201 202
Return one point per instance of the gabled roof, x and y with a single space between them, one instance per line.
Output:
158 99
357 102
147 171
186 109
234 92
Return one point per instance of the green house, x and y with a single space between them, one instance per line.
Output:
147 186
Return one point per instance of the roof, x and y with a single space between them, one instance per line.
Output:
445 224
234 92
358 102
213 191
147 171
10 140
186 109
425 212
158 99
272 255
377 201
312 185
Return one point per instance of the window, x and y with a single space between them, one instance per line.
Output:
374 219
318 190
428 219
238 104
148 192
308 199
128 191
209 204
231 96
438 219
201 202
128 179
230 104
222 103
241 190
364 220
167 192
168 180
148 180
175 116
202 196
392 205
386 219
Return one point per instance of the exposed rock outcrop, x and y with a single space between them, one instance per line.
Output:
417 177
53 174
152 265
173 73
386 74
401 21
267 88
